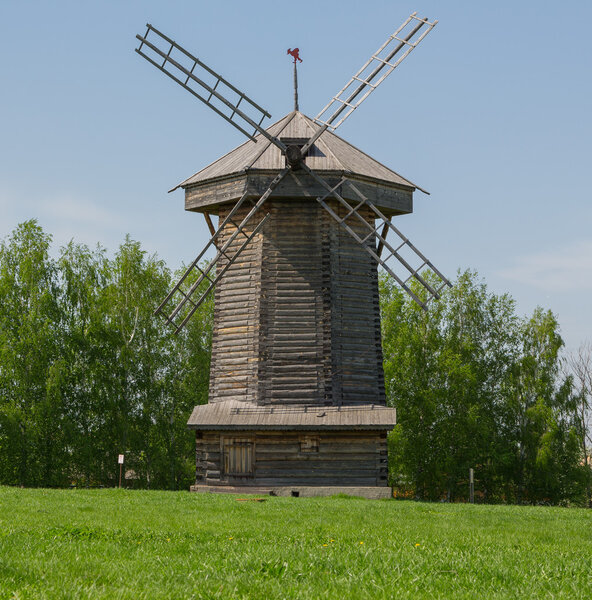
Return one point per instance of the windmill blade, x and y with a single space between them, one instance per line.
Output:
404 252
211 274
380 65
193 75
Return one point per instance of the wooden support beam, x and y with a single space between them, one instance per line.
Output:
210 224
383 235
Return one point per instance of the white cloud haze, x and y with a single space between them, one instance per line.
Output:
564 269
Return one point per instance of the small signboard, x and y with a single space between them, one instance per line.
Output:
120 459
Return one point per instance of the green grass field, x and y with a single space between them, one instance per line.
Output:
136 544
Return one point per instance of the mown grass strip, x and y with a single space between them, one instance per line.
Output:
141 544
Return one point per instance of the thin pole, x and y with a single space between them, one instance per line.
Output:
471 486
295 86
120 467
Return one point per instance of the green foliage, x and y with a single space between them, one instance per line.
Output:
579 367
151 544
478 387
30 448
88 372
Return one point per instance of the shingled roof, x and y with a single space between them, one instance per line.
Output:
233 414
329 153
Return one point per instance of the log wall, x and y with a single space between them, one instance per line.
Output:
235 339
296 458
297 317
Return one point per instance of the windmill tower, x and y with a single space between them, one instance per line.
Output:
296 400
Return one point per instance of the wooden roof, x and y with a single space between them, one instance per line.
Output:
329 153
233 414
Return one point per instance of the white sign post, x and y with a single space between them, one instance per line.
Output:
120 461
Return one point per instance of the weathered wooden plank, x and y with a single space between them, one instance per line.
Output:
301 294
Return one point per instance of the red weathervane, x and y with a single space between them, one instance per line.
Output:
294 53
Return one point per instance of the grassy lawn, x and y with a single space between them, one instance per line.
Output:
136 544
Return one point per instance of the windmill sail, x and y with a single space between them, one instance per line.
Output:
376 69
380 65
413 261
192 74
181 297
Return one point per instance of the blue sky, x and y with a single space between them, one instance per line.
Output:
491 114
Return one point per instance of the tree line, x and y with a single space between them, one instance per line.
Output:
88 372
477 386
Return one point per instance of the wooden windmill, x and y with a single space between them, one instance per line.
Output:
296 401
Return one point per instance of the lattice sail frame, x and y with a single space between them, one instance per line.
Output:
179 305
373 235
194 83
350 97
179 320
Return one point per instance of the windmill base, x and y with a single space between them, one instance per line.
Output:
243 448
370 492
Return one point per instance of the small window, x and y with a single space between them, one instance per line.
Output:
238 457
309 443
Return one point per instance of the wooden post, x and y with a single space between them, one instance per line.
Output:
471 487
120 461
295 86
